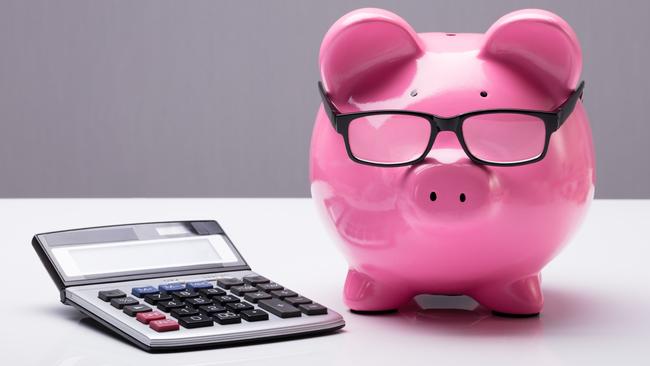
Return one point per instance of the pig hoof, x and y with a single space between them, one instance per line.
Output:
363 295
511 315
519 299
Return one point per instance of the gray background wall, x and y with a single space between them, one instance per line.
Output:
217 98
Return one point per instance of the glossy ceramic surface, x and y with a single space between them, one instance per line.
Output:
447 225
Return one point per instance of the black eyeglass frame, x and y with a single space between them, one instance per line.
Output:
552 121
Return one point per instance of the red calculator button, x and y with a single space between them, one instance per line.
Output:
164 325
149 316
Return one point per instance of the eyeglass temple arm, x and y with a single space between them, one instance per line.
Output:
330 109
569 105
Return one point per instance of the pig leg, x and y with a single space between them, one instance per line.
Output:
520 298
364 294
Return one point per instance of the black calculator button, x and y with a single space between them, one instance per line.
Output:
254 315
254 280
212 292
121 302
183 295
225 299
198 301
238 306
212 309
282 294
313 309
108 295
297 300
279 308
133 310
256 296
241 290
167 306
153 299
229 282
227 318
271 286
181 312
196 321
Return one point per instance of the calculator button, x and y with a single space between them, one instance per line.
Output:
282 294
271 286
149 316
297 300
254 280
198 301
256 296
228 282
196 321
279 308
254 315
153 299
211 292
132 310
239 306
181 312
197 285
108 295
241 290
141 291
225 299
185 294
226 318
211 309
171 287
164 325
167 306
313 309
121 302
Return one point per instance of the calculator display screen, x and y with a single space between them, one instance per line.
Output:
97 260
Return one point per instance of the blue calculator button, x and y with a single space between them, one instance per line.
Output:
170 287
141 291
199 285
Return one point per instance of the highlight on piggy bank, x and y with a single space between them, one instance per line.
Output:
450 163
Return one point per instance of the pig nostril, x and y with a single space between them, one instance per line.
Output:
433 196
462 197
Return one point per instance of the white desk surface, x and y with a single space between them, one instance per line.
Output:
597 293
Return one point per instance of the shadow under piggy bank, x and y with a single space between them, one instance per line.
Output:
565 312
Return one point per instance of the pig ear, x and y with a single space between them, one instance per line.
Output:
541 45
363 45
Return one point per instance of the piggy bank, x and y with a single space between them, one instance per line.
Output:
449 163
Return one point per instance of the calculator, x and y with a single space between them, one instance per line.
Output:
167 286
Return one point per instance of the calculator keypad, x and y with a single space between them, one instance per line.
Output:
201 304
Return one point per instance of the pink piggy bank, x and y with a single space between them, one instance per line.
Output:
451 163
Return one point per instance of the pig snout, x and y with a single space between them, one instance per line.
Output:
450 191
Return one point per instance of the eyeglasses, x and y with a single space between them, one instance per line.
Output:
500 137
